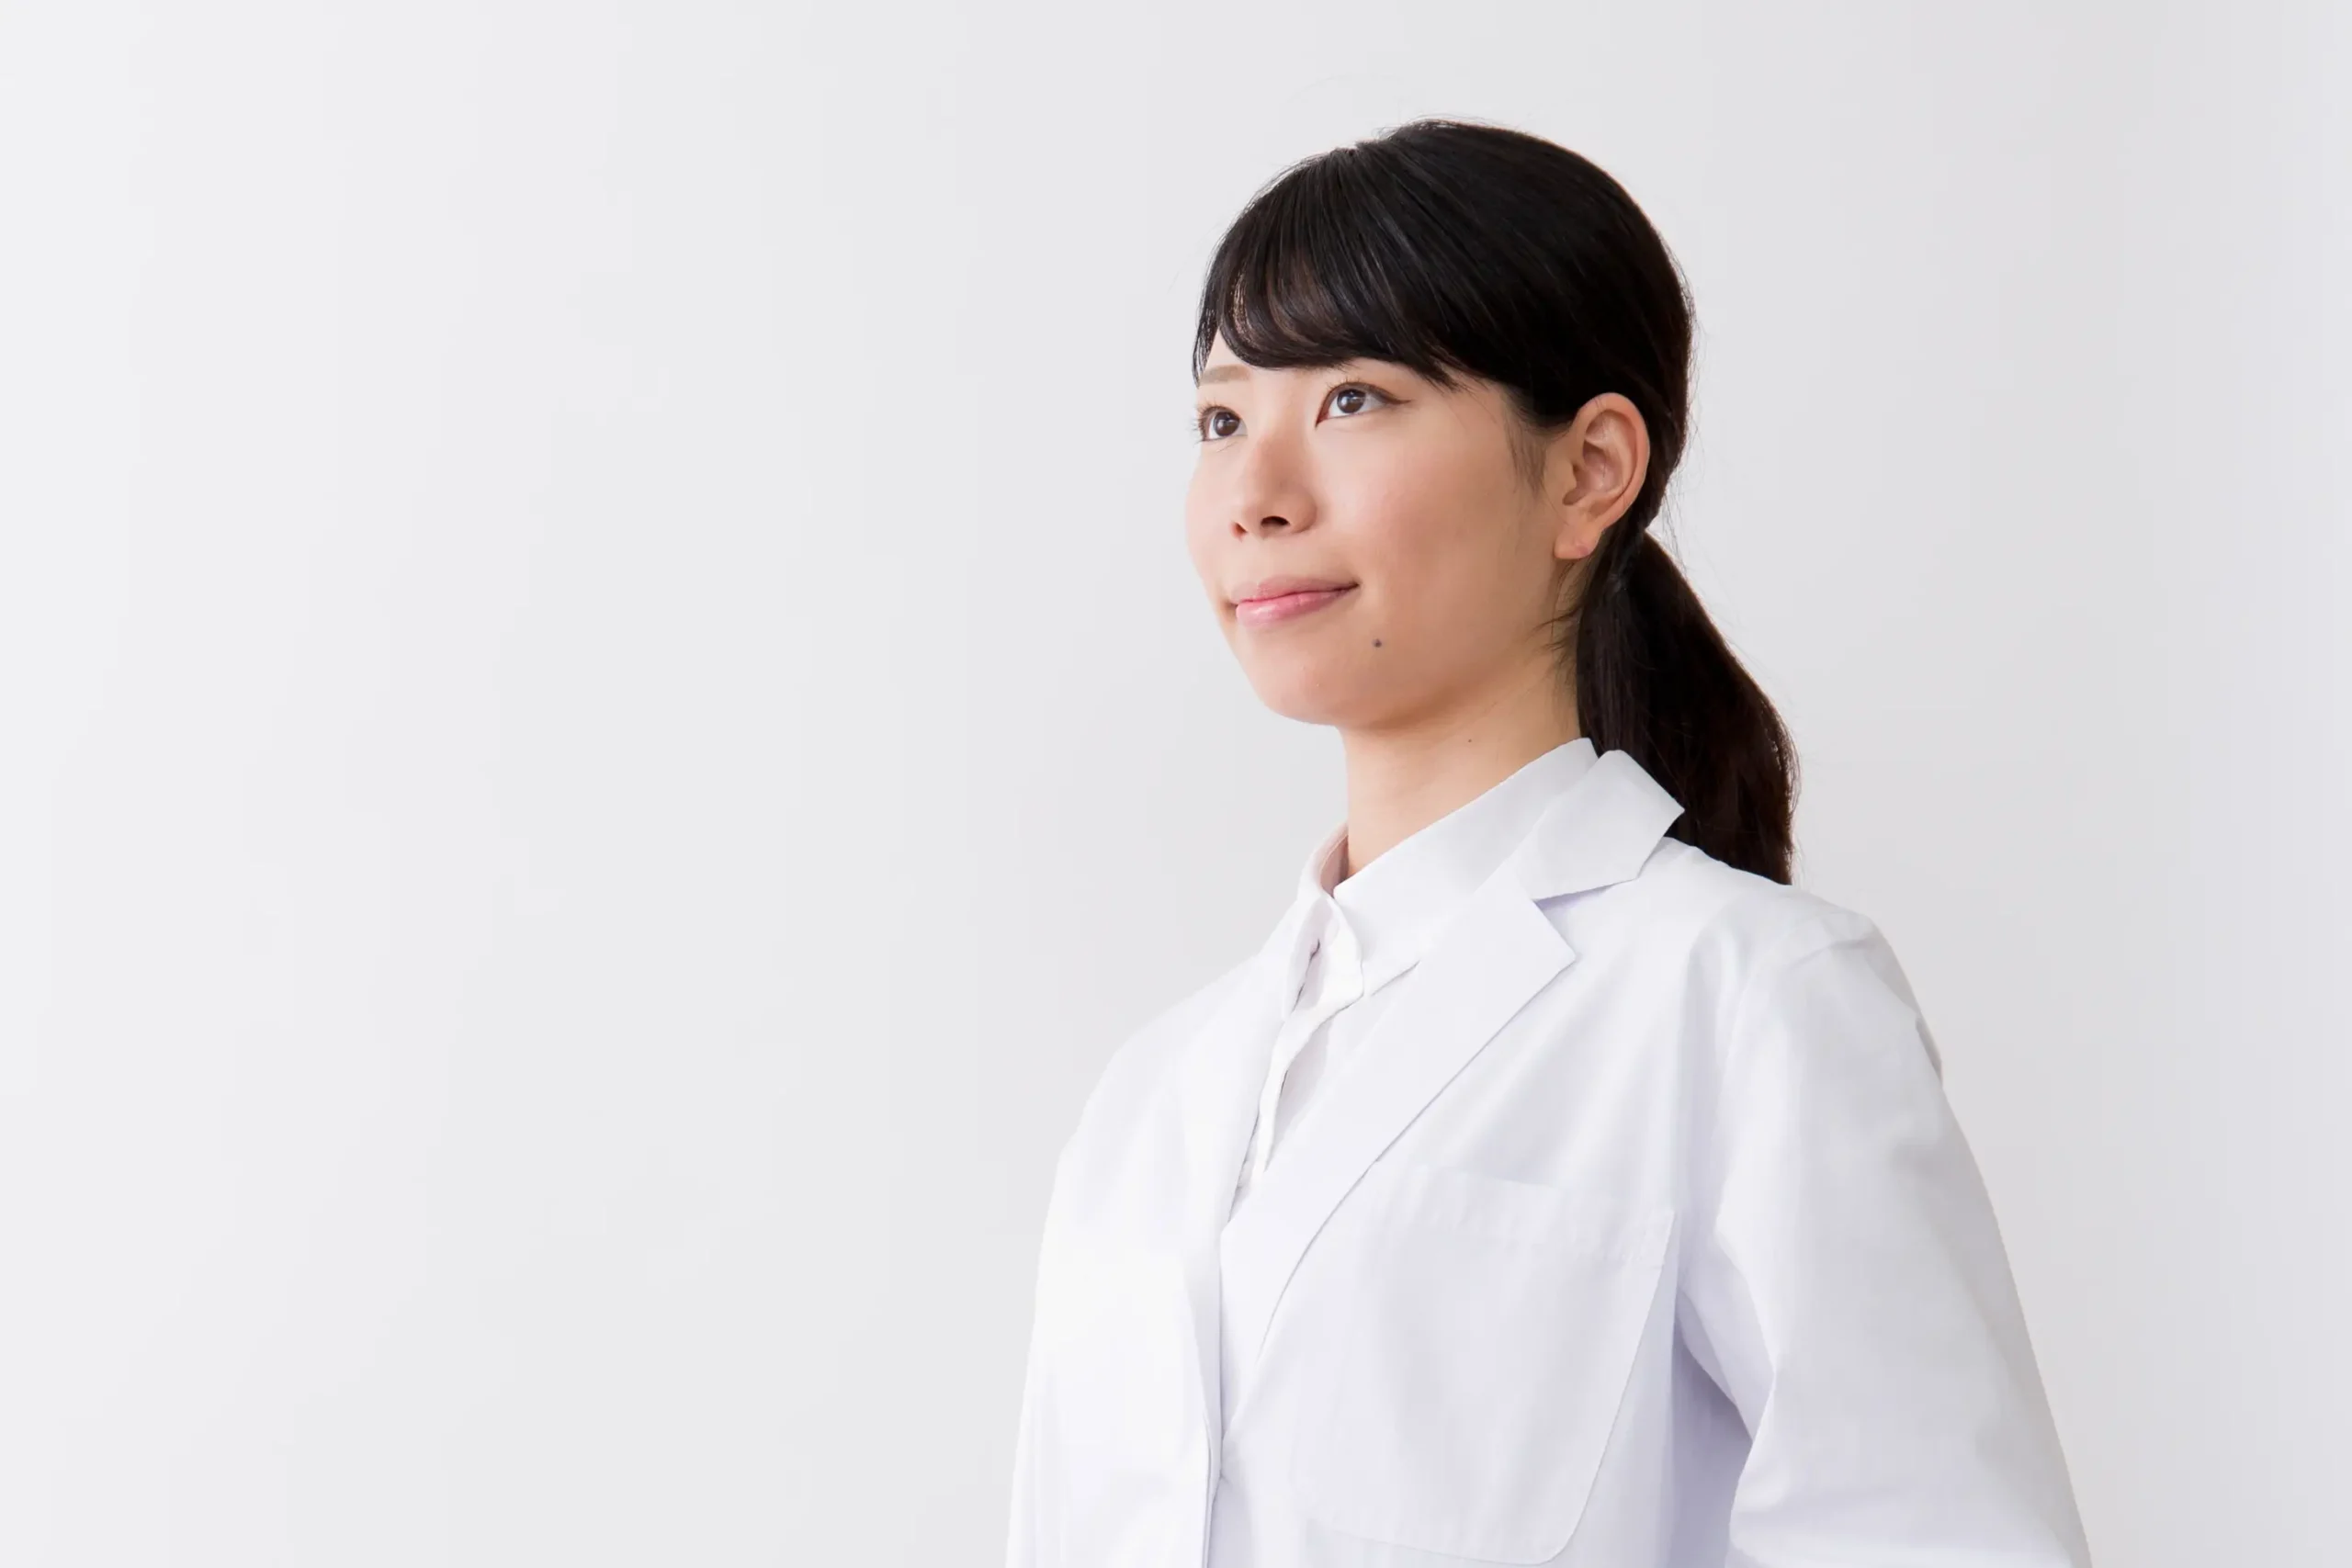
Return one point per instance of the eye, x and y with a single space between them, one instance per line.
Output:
1216 423
1354 398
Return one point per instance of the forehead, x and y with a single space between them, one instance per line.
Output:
1221 363
1221 367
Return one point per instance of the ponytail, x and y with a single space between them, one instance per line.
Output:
1655 678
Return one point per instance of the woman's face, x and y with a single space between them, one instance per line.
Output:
1368 542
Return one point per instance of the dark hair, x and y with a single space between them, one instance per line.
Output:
1454 248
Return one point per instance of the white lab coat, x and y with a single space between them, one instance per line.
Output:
1640 1235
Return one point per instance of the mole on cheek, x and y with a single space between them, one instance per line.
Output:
1375 642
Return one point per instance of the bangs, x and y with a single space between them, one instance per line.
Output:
1340 258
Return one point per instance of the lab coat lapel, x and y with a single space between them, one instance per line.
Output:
1491 958
1216 1087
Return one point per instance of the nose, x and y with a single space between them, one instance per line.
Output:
1272 491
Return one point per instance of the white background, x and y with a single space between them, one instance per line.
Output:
604 720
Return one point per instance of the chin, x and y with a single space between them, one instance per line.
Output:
1306 693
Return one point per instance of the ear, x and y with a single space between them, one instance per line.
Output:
1593 472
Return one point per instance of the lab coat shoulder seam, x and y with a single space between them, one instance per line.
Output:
1818 927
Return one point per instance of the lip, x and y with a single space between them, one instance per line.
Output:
1286 598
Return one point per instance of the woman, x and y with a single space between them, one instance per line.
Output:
1557 1183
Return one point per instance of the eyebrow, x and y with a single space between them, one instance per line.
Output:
1222 373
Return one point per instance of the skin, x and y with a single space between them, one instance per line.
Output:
1438 665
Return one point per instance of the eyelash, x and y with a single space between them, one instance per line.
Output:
1201 420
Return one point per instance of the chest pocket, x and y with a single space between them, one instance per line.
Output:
1466 1404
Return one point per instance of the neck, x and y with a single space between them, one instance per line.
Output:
1402 778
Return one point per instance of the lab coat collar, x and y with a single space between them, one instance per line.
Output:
1395 904
1496 951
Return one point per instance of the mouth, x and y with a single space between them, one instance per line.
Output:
1289 604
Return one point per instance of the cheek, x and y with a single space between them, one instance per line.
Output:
1200 534
1432 534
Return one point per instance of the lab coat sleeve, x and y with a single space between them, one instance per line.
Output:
1845 1283
1024 1545
1030 1529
